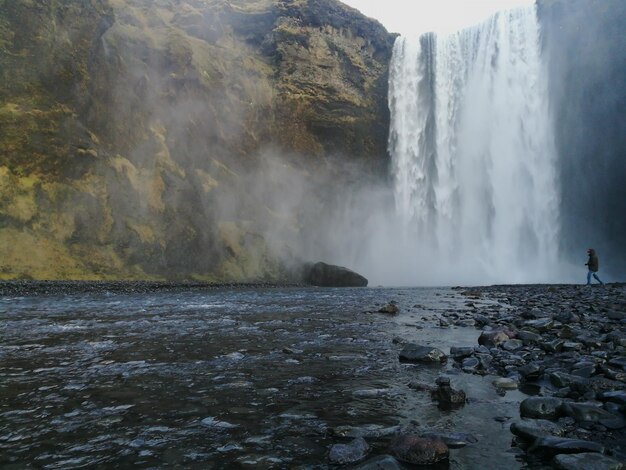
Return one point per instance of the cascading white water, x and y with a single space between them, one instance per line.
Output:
473 153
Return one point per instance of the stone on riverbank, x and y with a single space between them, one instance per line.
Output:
425 354
541 407
551 445
536 428
391 308
418 450
328 275
492 338
446 395
587 461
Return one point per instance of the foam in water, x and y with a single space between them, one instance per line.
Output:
473 154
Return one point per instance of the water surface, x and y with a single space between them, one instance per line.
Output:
234 378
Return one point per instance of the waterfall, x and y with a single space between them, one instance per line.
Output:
473 152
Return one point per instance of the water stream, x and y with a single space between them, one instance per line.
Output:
243 378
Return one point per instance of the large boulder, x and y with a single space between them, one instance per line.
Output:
328 275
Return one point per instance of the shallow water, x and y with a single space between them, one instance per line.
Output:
241 378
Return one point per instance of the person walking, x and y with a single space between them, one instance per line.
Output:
593 265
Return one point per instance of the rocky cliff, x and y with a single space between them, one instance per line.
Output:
585 45
181 138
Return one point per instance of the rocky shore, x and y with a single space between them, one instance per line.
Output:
567 346
564 347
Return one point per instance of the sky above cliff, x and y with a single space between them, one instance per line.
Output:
411 17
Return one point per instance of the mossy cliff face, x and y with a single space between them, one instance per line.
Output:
138 138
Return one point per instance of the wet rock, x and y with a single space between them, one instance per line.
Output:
513 344
528 337
454 440
550 445
562 379
592 412
461 352
470 364
553 346
425 354
505 383
540 407
618 396
481 320
328 275
585 371
391 308
446 395
418 450
381 462
541 325
492 338
531 371
572 346
586 461
533 429
618 362
348 453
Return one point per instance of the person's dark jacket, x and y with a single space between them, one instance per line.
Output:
593 262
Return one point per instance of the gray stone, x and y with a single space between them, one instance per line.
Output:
418 450
618 362
553 346
492 338
470 364
417 353
592 412
542 324
540 407
572 346
528 337
505 383
513 344
586 461
391 308
562 379
349 453
461 352
584 371
618 396
533 429
531 371
559 445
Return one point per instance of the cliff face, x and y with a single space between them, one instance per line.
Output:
585 43
171 138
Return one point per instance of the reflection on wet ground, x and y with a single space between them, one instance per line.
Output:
256 378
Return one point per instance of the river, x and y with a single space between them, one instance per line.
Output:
232 378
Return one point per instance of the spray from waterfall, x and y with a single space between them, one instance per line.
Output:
473 155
